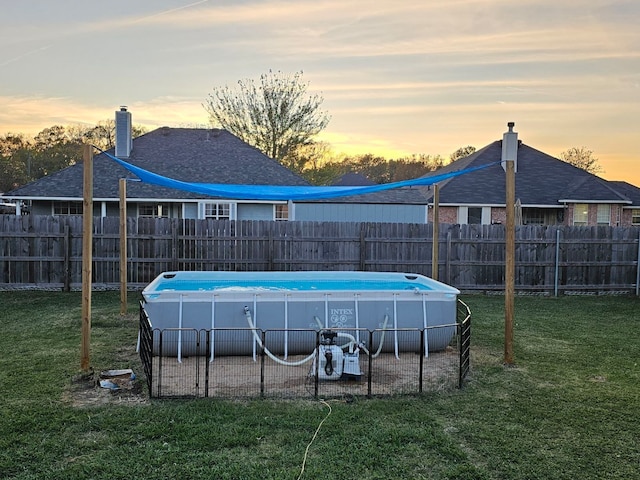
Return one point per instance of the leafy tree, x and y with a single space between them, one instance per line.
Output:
324 174
416 166
307 157
462 152
15 161
583 158
376 168
276 116
54 150
23 159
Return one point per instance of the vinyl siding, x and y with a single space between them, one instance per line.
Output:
356 212
255 211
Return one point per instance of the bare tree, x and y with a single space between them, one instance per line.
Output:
583 158
462 152
103 134
277 116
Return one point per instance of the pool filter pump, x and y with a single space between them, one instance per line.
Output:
333 363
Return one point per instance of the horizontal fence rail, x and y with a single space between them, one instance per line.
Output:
46 252
184 362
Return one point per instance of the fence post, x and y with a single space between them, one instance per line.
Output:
270 247
317 362
263 334
174 243
363 247
436 232
448 259
66 263
557 266
198 356
638 267
159 382
421 355
207 363
370 366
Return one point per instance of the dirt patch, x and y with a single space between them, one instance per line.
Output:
244 376
85 391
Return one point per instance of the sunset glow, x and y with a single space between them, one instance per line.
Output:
397 78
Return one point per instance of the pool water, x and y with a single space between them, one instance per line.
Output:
289 285
339 281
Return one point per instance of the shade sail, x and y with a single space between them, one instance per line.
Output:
277 192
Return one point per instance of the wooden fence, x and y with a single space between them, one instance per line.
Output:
46 252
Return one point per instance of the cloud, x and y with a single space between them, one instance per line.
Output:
23 55
31 114
169 11
170 111
362 29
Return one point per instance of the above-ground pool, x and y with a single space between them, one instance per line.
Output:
287 301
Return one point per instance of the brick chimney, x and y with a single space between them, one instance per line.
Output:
124 142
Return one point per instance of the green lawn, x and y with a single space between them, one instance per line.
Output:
568 409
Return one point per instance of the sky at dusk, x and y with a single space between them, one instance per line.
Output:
404 77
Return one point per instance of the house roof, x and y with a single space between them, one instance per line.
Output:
630 191
188 154
541 180
353 179
404 195
408 195
217 156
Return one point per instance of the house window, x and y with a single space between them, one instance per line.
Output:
155 210
474 215
67 208
580 214
635 216
217 211
533 216
604 214
282 212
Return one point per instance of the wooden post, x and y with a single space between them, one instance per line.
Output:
123 246
270 253
638 268
447 263
175 225
87 255
436 232
67 259
363 247
510 250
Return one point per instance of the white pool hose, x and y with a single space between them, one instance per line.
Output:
247 314
350 344
384 329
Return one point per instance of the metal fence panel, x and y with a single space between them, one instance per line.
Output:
188 363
